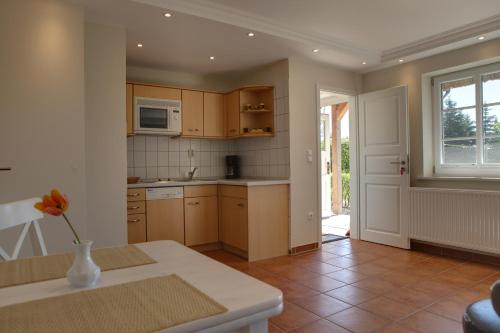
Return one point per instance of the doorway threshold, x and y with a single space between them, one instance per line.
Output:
328 238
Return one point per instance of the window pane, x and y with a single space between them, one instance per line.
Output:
458 123
491 88
492 150
491 120
458 94
459 152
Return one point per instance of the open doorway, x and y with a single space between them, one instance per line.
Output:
335 166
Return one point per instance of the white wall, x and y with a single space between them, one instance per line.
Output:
42 133
105 131
410 74
304 78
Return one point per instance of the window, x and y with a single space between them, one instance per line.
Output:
467 114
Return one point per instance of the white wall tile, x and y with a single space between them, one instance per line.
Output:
206 145
139 143
183 159
163 172
139 159
130 159
183 171
173 144
163 143
152 143
130 143
151 159
196 144
173 158
163 158
184 144
140 172
173 172
205 158
130 172
152 172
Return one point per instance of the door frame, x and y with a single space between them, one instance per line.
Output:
353 157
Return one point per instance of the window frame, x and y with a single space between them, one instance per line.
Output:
462 169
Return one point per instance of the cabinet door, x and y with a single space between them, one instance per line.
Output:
157 92
165 220
201 220
213 115
136 227
232 111
129 109
192 113
234 224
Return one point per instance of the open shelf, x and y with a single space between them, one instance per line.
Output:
261 134
256 111
255 118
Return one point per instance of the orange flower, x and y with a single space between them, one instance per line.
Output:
55 204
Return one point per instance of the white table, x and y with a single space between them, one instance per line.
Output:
250 302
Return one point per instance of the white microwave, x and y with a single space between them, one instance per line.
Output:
157 116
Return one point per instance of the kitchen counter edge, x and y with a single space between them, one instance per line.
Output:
236 182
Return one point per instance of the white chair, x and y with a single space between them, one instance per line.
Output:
17 213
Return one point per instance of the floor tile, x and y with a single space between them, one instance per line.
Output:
411 297
400 278
427 322
449 308
274 329
343 262
352 295
436 288
321 267
369 269
340 251
358 320
322 305
293 316
347 276
396 328
321 326
375 285
322 283
298 273
453 279
293 290
388 308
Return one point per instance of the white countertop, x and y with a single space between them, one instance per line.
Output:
247 299
237 182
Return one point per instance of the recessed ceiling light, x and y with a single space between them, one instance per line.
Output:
363 63
316 50
211 58
401 60
481 37
251 34
139 45
167 15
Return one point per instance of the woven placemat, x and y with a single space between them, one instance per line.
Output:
136 307
36 269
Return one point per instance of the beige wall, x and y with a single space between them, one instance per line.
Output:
304 78
105 128
42 133
410 74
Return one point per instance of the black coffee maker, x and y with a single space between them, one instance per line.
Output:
232 166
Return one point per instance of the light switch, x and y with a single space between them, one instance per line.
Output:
309 155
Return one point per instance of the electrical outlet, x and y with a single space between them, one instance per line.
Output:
310 216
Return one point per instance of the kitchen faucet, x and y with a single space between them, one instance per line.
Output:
191 173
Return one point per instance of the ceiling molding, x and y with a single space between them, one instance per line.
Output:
448 37
224 14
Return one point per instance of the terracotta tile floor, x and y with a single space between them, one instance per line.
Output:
356 286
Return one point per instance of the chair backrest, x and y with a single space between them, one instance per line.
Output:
19 213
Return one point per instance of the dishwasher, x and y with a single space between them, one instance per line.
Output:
165 213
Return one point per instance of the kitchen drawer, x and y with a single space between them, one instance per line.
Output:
136 207
200 191
136 194
136 227
234 191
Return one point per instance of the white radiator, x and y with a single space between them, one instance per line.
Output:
463 218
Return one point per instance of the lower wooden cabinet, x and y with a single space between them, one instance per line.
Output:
136 227
234 222
201 220
165 220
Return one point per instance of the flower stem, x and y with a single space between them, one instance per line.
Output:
72 229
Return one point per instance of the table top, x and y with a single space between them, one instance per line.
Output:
241 294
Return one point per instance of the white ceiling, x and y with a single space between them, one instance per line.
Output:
346 32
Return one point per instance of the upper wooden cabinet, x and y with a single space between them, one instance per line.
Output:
256 111
156 92
213 115
130 109
232 111
192 113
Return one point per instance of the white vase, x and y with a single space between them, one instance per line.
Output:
84 272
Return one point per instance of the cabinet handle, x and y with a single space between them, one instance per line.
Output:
193 203
241 205
5 169
133 221
232 130
133 195
196 130
133 207
190 129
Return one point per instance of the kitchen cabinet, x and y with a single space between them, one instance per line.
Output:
232 113
165 220
136 222
256 111
192 113
255 220
130 109
213 115
157 92
201 215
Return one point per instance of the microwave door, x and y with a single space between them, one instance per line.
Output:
153 118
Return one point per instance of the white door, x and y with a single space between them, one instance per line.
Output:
384 172
326 165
